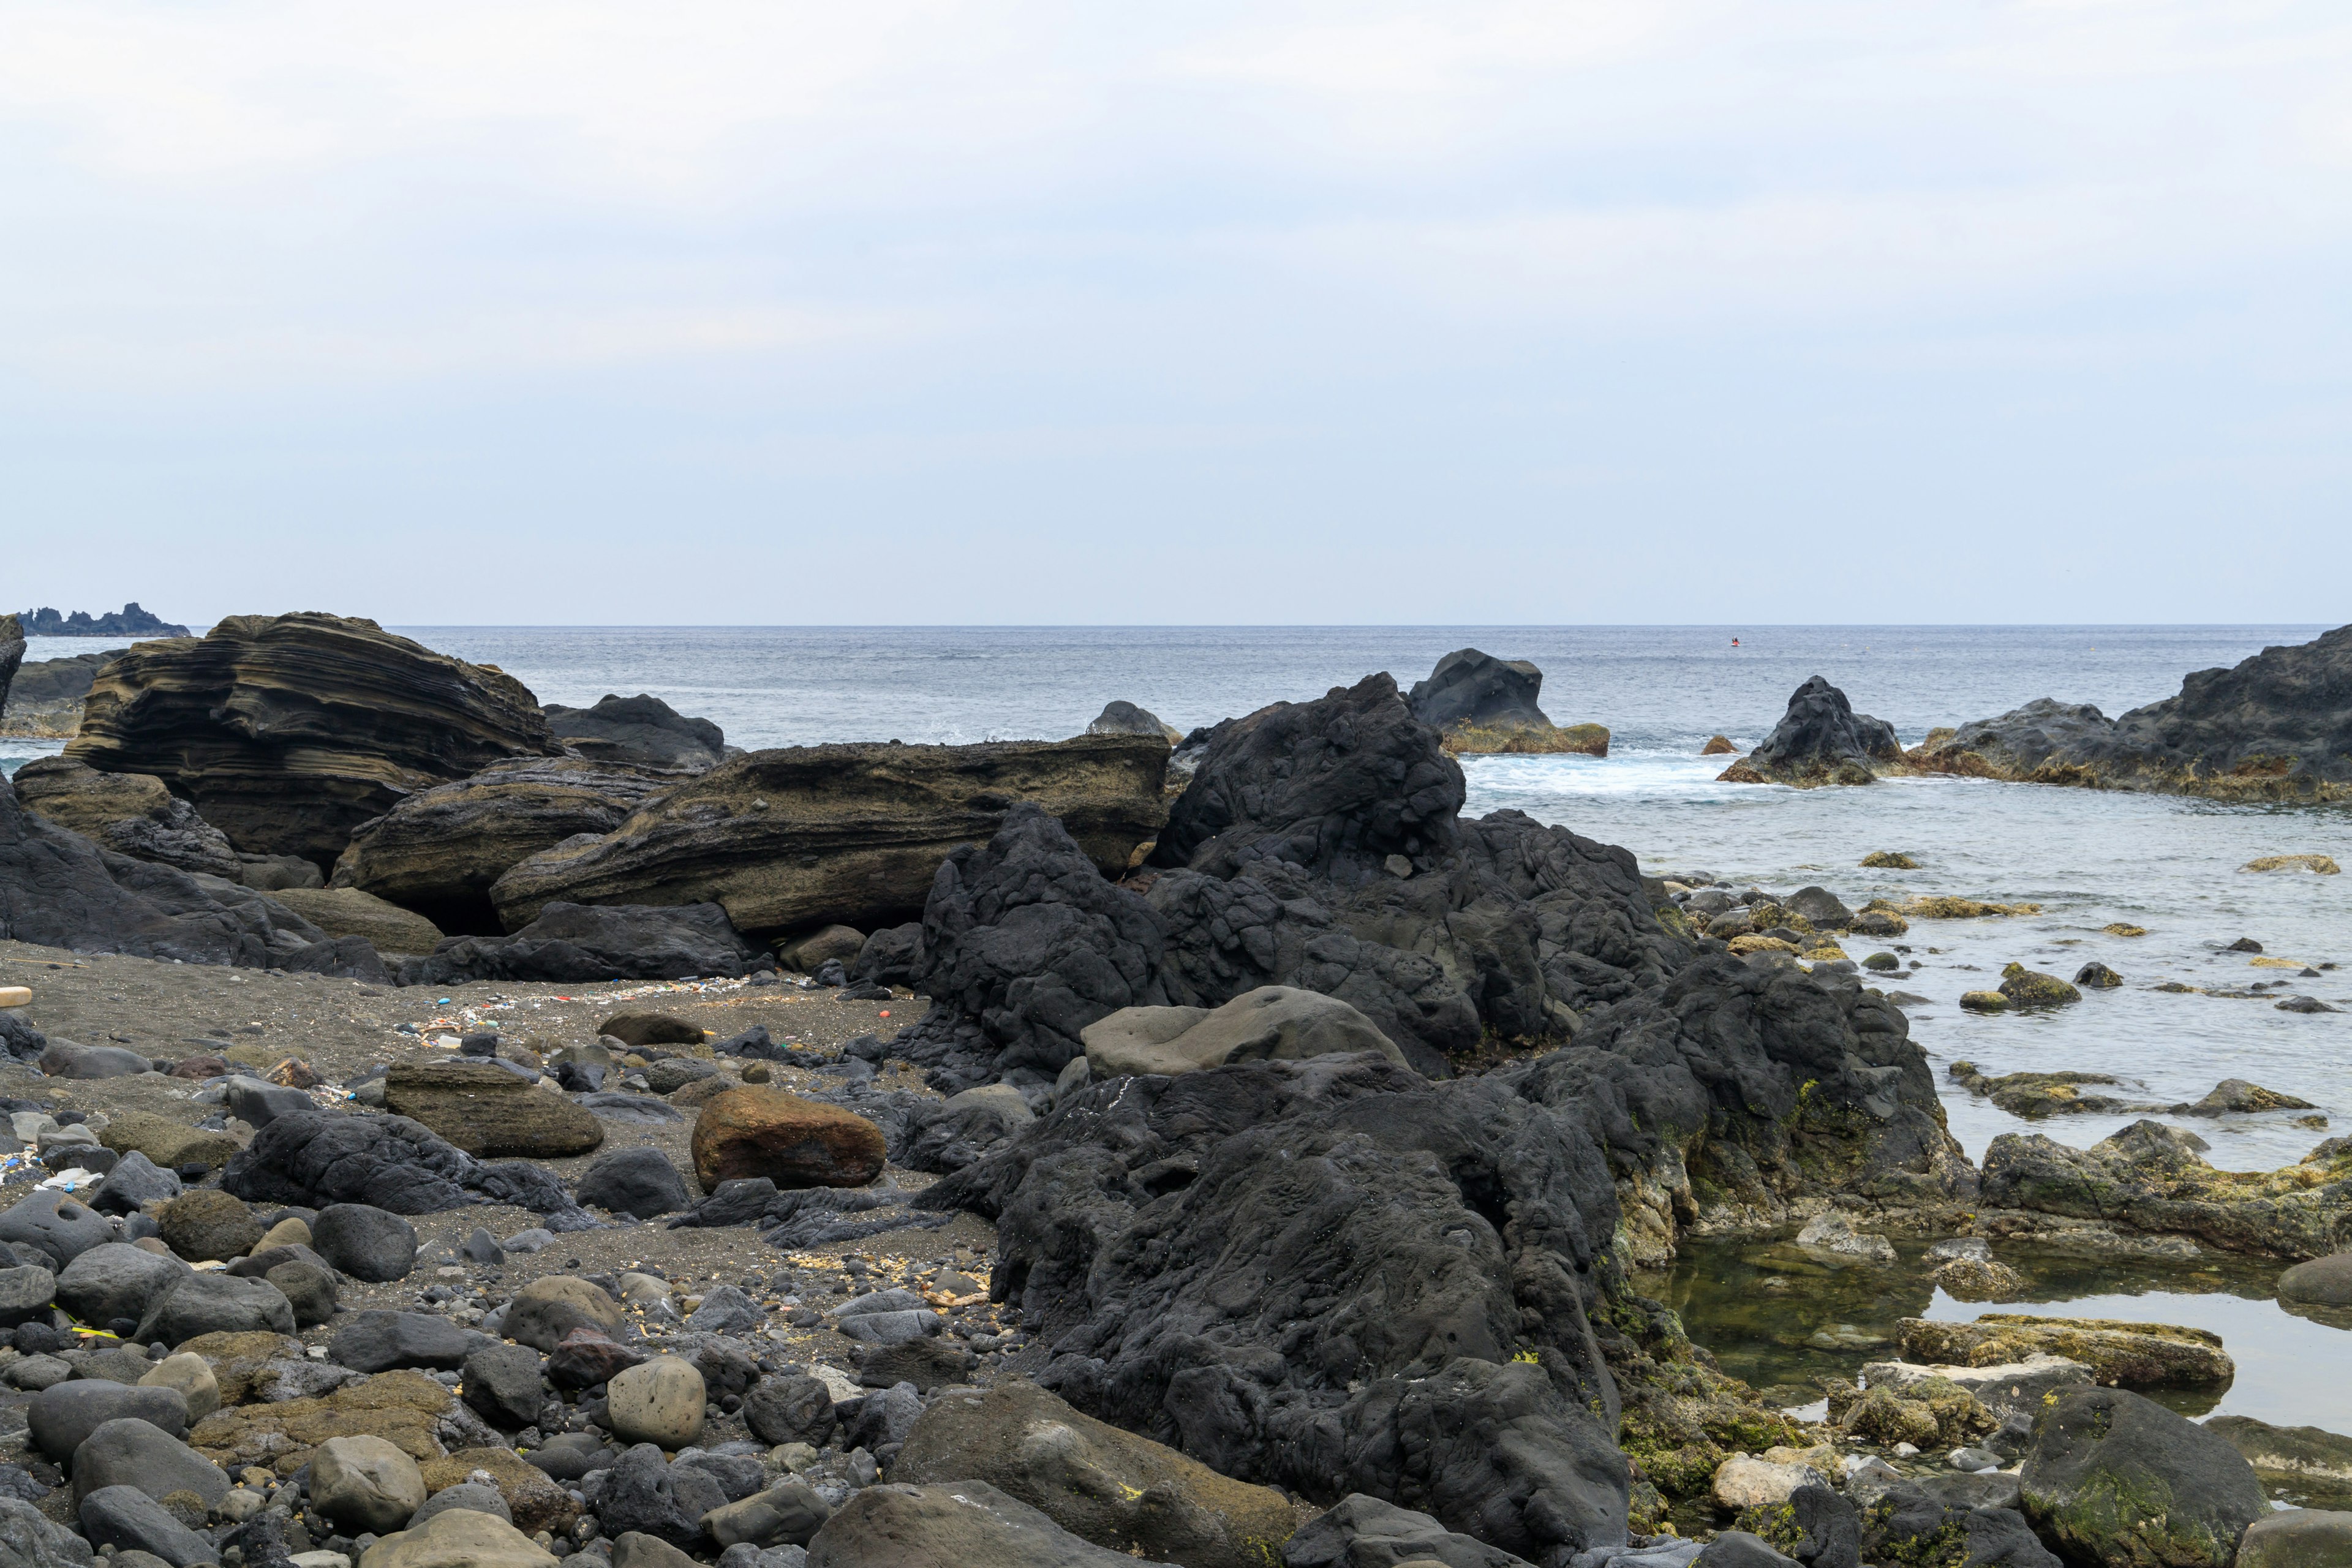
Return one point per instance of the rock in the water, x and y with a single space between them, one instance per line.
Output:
1482 704
364 1242
62 1416
965 1525
641 730
794 1143
130 1520
132 1452
2150 1178
2116 1479
2301 1538
364 1484
2307 1464
2030 988
1833 1232
2034 1095
2322 1282
208 1225
130 814
2141 1354
658 1402
2235 1096
638 1181
380 1340
1272 1022
488 1111
850 834
552 1305
459 1538
1820 740
1119 717
289 731
1111 1487
570 944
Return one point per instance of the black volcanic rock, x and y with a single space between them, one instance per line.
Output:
1335 786
132 814
2275 726
129 621
289 731
641 730
1473 688
12 655
1820 740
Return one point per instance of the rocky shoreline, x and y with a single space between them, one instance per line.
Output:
1037 1151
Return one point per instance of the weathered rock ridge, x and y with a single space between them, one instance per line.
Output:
289 731
849 834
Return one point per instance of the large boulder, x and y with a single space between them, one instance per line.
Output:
854 833
364 1484
289 731
960 1524
457 1538
754 1131
640 730
2117 1479
638 1181
573 944
135 1525
56 1224
1360 1530
553 1305
2150 1178
115 1281
2322 1282
348 911
132 814
364 1242
62 1416
131 1451
2138 1355
1820 740
1113 1488
195 1304
321 1158
438 850
1119 717
1481 703
488 1111
2301 1538
381 1340
2275 726
1272 1022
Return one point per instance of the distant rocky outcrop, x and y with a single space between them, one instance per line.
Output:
1480 704
44 704
58 888
1820 740
1122 718
642 730
438 851
852 834
129 621
2277 726
289 731
132 814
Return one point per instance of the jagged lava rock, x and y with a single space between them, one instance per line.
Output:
572 944
642 730
852 833
2116 1479
289 731
1820 740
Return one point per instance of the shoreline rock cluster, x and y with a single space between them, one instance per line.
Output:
1316 1133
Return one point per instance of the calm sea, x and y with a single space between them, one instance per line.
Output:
2087 858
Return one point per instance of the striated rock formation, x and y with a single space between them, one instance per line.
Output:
289 731
1481 703
1820 740
129 621
2148 1177
439 850
2276 726
576 943
130 814
640 731
58 888
849 834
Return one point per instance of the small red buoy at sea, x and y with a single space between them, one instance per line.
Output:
1735 642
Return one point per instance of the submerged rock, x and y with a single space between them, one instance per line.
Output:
2034 1095
289 731
2030 988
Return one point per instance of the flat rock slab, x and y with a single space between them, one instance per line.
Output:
2135 1354
490 1112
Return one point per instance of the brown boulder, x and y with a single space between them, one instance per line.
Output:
488 1111
794 1143
289 731
438 850
207 1225
791 838
536 1502
168 1144
403 1407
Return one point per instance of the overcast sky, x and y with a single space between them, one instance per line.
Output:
1277 311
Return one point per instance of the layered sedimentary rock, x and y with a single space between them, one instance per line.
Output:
58 888
289 731
850 834
1820 740
130 814
642 730
2275 726
439 850
1481 703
